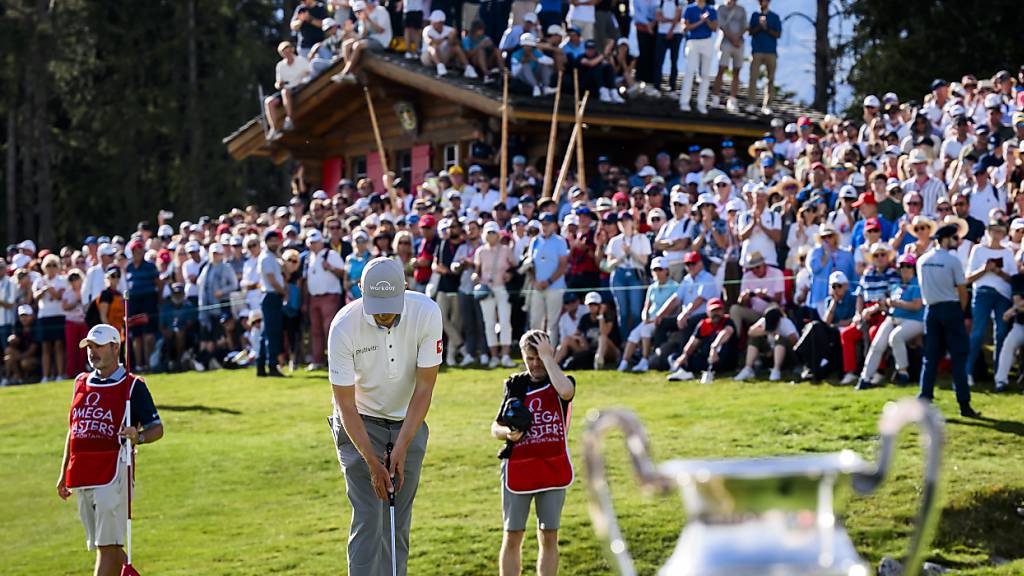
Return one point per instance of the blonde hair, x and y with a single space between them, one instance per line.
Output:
528 341
401 235
289 254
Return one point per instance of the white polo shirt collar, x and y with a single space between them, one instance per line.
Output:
373 322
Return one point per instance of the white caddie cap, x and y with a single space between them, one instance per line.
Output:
647 171
592 298
383 286
101 335
437 16
680 198
838 277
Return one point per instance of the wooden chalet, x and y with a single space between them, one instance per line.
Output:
427 123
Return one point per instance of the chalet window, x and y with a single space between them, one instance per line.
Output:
451 155
358 168
404 158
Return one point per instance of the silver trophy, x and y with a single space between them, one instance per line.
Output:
763 516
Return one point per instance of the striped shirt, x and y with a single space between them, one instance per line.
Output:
875 283
930 192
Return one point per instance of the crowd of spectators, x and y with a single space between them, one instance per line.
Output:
796 253
619 49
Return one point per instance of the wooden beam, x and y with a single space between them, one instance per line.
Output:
641 123
328 123
428 84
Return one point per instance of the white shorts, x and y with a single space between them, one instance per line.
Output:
104 512
729 56
642 330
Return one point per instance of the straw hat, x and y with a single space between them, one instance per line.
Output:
755 149
960 223
922 220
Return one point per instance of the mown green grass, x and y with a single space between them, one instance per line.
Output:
246 481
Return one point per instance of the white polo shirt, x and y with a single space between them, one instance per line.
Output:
319 280
381 362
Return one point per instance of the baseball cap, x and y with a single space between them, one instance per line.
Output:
647 171
89 240
271 233
767 160
590 44
437 16
693 178
865 198
549 218
680 198
735 205
993 101
610 218
530 17
838 277
492 227
383 286
722 179
428 221
939 83
192 246
857 180
216 248
314 236
871 101
715 304
692 257
604 204
358 5
327 23
164 231
106 249
658 262
872 224
100 334
26 310
907 258
592 298
177 288
918 157
527 39
27 245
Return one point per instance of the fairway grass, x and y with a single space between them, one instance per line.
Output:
246 481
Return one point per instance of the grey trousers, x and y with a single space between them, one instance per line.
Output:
369 539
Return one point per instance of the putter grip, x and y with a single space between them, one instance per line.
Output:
391 495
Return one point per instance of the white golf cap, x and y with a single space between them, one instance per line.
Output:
530 17
647 171
492 227
872 101
838 277
692 178
320 195
27 245
314 236
592 298
1017 224
722 179
216 248
358 5
659 262
192 246
857 180
917 156
735 205
101 334
437 16
165 230
25 310
527 39
20 261
383 286
680 198
327 23
106 249
555 29
993 101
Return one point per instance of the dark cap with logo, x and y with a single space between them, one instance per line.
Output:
383 286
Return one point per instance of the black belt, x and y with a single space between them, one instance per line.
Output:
382 421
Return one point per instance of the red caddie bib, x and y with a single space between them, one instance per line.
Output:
540 461
97 414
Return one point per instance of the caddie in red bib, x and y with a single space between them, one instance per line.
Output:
534 423
102 429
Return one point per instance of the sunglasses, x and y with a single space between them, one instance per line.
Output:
872 231
689 264
656 219
293 260
838 285
721 185
907 267
921 228
334 227
941 209
404 243
913 203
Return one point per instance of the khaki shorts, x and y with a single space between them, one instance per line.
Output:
515 508
104 512
729 56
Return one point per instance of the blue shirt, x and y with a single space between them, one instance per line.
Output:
845 309
907 293
874 285
657 295
573 52
857 236
762 42
354 268
704 285
839 260
177 317
643 11
692 15
141 280
550 6
824 193
546 252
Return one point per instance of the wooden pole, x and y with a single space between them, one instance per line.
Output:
503 182
550 163
573 139
581 177
396 205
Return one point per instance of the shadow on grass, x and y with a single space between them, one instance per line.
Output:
199 408
983 523
1004 426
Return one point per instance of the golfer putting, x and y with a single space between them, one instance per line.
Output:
384 351
112 411
534 423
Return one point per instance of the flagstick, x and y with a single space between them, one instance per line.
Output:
581 177
550 162
503 182
573 139
395 205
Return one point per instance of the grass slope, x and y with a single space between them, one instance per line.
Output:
246 481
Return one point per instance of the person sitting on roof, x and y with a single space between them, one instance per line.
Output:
441 44
596 74
328 50
531 66
292 71
373 33
481 52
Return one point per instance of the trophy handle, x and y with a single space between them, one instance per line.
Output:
895 417
601 507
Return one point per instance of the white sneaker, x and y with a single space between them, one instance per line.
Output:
751 109
766 111
877 379
731 105
775 375
198 366
442 70
849 378
616 98
642 366
623 366
470 73
702 109
716 100
493 363
680 375
507 361
684 107
547 90
970 381
214 365
746 374
313 367
3 382
605 96
449 359
707 377
485 359
466 361
288 124
410 55
651 91
537 92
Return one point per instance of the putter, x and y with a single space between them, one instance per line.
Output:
391 506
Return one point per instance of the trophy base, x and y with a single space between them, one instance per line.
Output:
765 547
